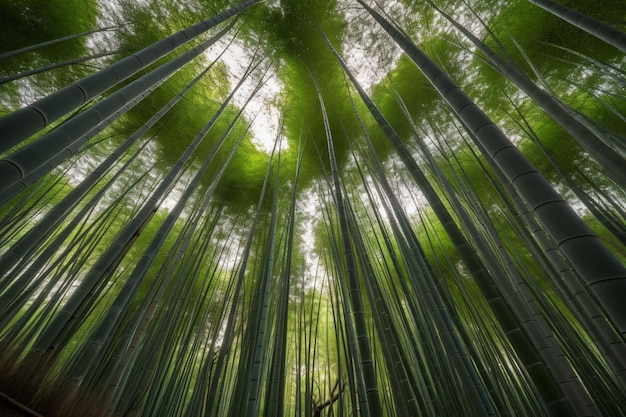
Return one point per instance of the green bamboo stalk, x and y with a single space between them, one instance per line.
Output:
247 389
603 216
121 382
76 253
527 352
23 74
140 271
507 277
27 121
253 403
403 393
372 392
568 282
609 159
342 296
603 274
54 41
275 393
590 25
108 260
70 134
438 311
215 395
44 226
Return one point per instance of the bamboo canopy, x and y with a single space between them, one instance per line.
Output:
312 208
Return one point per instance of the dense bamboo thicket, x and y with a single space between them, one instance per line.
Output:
313 208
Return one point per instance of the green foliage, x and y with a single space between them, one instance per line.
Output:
417 93
451 323
29 22
528 35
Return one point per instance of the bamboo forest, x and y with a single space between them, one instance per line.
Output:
307 208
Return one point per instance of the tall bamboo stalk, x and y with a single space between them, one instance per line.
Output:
600 30
604 275
64 140
27 121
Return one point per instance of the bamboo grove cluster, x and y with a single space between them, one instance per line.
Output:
432 224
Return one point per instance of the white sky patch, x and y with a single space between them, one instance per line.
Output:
263 104
368 73
267 123
310 208
364 36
